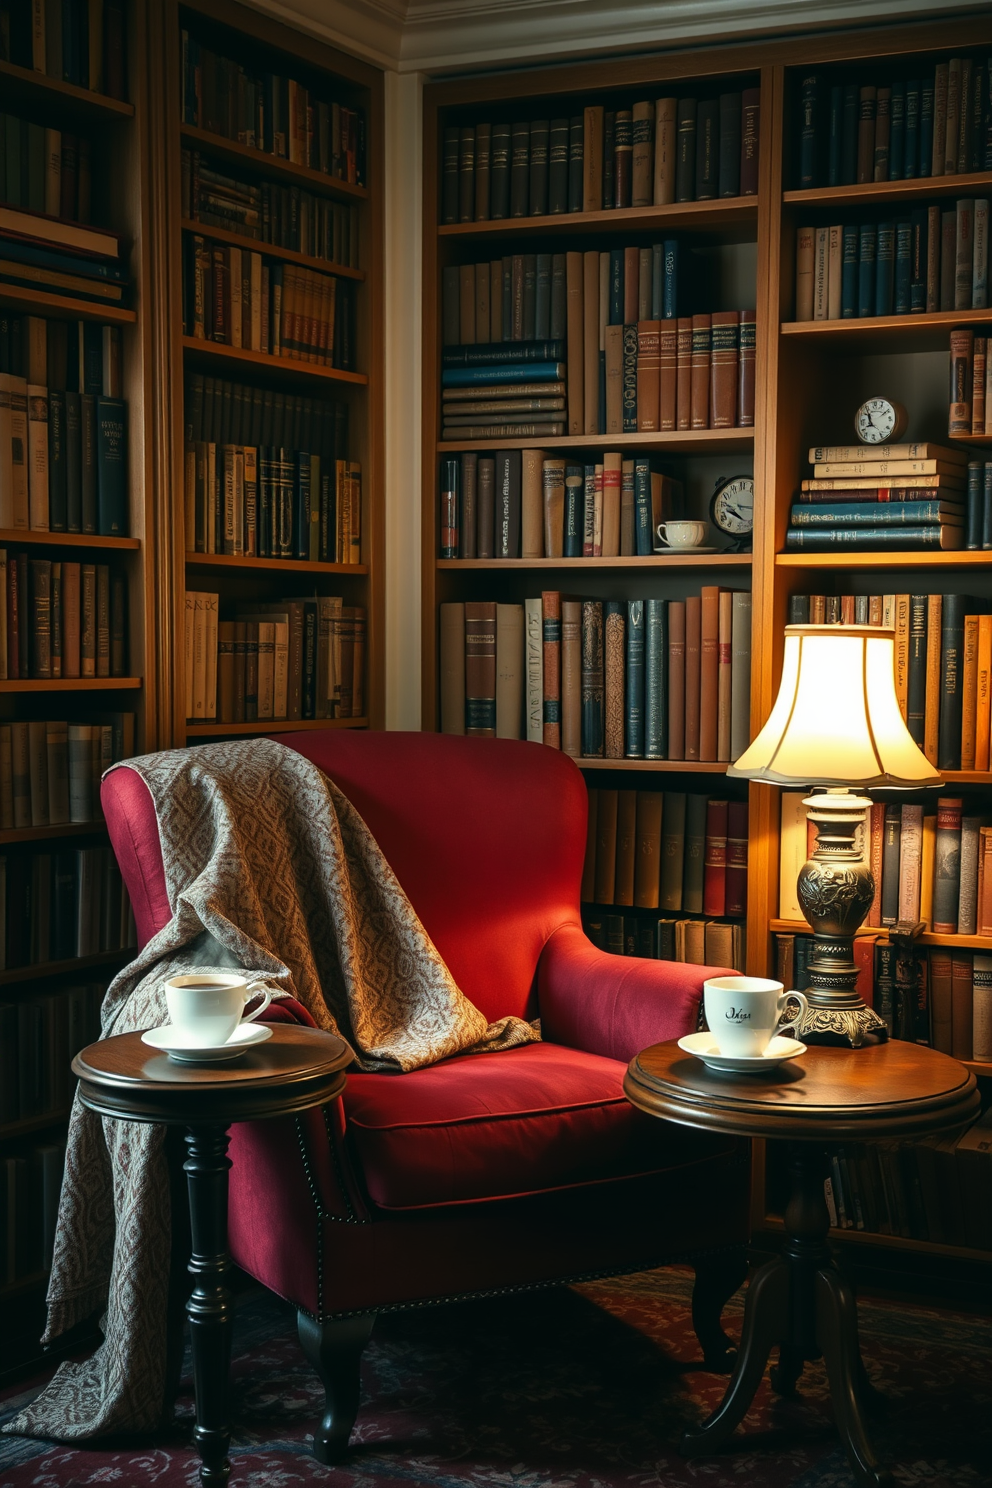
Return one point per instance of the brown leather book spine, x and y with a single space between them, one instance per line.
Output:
709 670
978 376
866 134
715 859
532 504
551 635
590 341
962 378
70 619
623 164
483 315
614 660
667 373
693 637
876 843
571 677
750 136
486 524
496 300
452 671
941 999
724 369
466 175
649 376
466 304
240 670
606 846
683 372
647 866
702 336
588 889
575 317
614 378
470 487
553 488
736 890
623 888
969 692
483 170
665 136
480 668
510 671
962 1003
592 160
931 706
612 483
725 674
225 672
676 679
642 155
745 397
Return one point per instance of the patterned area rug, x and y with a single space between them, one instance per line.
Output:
588 1387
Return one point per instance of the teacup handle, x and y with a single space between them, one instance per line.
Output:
803 1005
661 534
267 995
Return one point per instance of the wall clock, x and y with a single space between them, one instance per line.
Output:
879 419
732 510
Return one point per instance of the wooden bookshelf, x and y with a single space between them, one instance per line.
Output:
576 565
240 362
685 442
702 216
271 726
23 86
19 537
256 245
922 188
257 162
229 561
57 306
72 684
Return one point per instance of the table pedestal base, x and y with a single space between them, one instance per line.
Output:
801 1303
210 1309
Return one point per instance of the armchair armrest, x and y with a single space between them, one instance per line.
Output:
615 1005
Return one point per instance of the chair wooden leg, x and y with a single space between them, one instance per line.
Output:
335 1351
717 1279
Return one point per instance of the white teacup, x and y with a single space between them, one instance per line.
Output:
206 1007
681 534
743 1013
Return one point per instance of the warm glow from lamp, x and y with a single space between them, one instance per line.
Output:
836 720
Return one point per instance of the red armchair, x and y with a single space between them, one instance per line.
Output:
487 1173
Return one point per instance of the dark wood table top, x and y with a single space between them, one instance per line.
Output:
293 1070
886 1090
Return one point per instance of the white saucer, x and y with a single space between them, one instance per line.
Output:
170 1041
704 1046
683 552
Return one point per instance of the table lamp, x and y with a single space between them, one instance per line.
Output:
836 726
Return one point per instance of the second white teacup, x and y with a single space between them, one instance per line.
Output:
205 1008
743 1013
682 534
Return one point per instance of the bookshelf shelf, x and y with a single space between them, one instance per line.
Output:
42 302
903 558
22 85
693 767
927 938
13 536
981 440
48 834
894 1242
32 1124
287 368
684 442
273 726
71 684
718 215
272 166
255 245
884 332
922 188
225 561
72 967
656 561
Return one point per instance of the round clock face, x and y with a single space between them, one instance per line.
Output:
732 507
877 420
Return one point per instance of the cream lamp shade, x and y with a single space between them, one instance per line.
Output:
836 720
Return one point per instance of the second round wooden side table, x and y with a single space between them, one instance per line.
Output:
800 1301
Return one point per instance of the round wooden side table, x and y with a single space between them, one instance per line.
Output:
296 1069
800 1301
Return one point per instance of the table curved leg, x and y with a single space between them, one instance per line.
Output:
765 1324
837 1329
209 1308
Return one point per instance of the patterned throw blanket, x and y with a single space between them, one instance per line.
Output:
270 870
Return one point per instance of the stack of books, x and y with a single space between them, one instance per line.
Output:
289 658
970 409
50 770
45 252
270 112
511 390
61 619
62 904
696 941
935 125
83 45
653 152
666 850
628 679
528 504
908 496
286 216
932 260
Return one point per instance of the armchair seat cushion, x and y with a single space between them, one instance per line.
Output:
497 1126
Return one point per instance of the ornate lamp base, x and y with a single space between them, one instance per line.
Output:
835 891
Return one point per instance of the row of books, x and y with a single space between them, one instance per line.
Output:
44 252
291 658
529 504
265 475
970 407
30 1187
50 770
855 132
653 153
69 356
61 619
239 298
39 1038
931 260
699 942
285 216
271 113
60 905
943 662
634 679
74 41
909 496
45 170
666 850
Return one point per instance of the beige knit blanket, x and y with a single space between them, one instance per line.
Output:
271 870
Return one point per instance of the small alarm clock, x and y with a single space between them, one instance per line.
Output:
879 419
732 509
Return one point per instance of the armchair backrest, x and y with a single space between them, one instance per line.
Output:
487 837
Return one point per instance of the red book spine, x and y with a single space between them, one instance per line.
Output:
715 859
736 896
551 615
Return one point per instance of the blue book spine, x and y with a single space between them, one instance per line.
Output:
926 128
670 296
574 510
616 286
643 546
655 679
904 267
835 137
823 539
866 269
911 141
987 507
502 372
111 467
974 522
849 274
918 265
885 264
657 281
897 132
808 142
634 720
872 513
544 350
67 263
